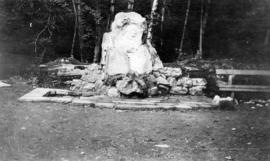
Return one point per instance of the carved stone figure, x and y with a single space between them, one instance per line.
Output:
123 50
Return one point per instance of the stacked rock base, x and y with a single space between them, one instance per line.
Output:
165 81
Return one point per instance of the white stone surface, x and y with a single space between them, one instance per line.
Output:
123 50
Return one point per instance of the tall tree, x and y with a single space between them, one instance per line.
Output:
162 20
203 22
74 2
150 27
98 33
80 28
130 5
184 28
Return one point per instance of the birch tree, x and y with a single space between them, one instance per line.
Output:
184 28
150 27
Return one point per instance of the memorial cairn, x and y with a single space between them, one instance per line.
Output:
131 67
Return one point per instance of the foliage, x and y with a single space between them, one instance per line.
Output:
234 28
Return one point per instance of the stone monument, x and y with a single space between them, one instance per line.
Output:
123 49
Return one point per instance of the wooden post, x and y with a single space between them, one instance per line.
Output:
230 82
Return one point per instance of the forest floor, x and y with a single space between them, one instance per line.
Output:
59 132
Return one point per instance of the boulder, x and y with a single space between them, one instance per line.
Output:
178 90
128 86
196 90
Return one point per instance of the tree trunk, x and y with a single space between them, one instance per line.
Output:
130 5
150 27
206 15
184 27
111 15
98 36
75 28
199 52
162 21
203 22
80 29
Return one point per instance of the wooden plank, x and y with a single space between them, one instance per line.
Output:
242 72
244 89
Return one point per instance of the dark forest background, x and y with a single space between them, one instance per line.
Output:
238 29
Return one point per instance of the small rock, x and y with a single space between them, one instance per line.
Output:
162 81
88 87
178 90
171 72
172 81
82 153
153 91
199 82
92 77
163 89
162 146
228 157
253 108
185 82
249 102
113 92
156 74
233 129
249 143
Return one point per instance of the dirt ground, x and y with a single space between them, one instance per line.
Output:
61 132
